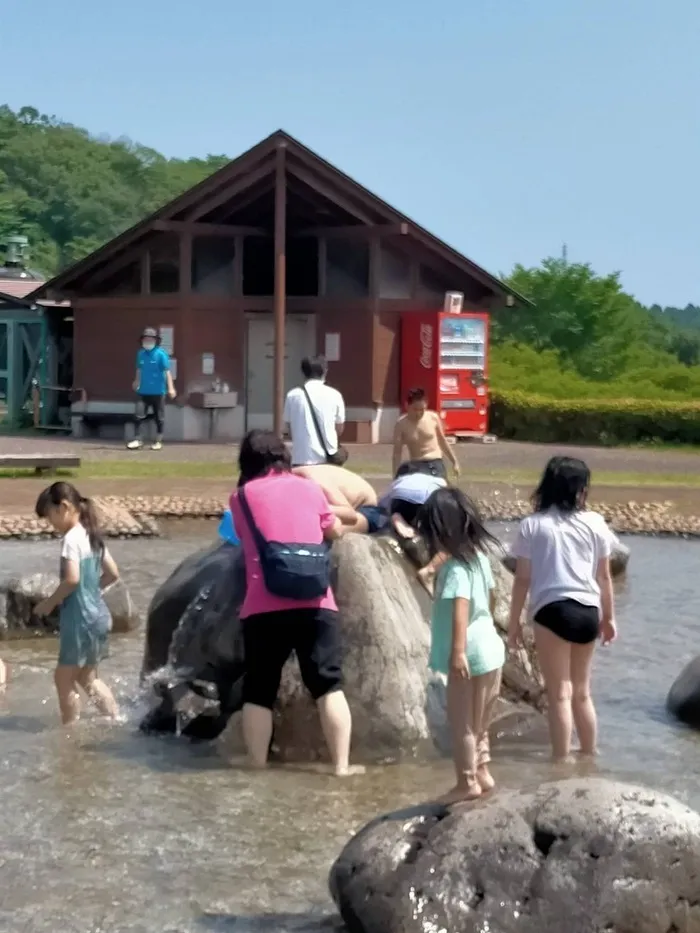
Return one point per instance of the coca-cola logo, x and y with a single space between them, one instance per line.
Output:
426 346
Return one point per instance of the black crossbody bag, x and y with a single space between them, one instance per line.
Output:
292 571
340 457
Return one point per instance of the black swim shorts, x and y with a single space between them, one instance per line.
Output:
570 620
376 517
269 638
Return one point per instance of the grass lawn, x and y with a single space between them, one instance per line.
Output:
213 470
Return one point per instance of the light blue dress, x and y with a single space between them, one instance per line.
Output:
473 581
85 621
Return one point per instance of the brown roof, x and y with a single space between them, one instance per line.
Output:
19 287
248 170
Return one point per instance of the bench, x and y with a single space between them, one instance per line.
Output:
40 463
88 419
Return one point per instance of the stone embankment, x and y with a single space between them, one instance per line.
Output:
137 516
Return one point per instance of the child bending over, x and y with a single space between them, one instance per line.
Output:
464 642
86 568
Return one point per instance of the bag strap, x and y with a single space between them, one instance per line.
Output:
314 418
260 541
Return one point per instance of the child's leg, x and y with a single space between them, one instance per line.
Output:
465 701
581 702
65 678
483 754
554 655
98 691
3 673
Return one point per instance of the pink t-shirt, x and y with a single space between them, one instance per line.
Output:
286 508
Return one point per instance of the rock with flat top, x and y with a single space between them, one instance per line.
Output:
683 699
578 856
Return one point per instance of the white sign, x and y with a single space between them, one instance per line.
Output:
207 364
173 368
332 353
167 339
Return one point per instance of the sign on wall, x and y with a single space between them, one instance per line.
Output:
167 339
332 348
208 364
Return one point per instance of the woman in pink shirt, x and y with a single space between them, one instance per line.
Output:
292 510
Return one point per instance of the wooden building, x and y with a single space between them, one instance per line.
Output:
277 256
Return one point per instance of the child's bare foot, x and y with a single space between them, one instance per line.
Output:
485 779
426 576
402 528
460 793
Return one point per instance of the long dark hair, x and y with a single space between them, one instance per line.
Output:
451 522
57 493
262 452
564 485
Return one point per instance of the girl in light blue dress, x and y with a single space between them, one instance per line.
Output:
465 644
86 568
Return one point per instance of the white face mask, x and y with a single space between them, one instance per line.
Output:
148 344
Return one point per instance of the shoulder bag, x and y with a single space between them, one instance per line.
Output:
340 457
292 571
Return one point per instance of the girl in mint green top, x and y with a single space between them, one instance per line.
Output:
465 644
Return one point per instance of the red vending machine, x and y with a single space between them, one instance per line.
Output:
447 355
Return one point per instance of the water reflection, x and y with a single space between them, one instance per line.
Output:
105 829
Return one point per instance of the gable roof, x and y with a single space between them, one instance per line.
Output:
248 169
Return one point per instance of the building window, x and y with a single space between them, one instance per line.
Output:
302 267
432 284
213 270
258 266
347 268
394 273
165 265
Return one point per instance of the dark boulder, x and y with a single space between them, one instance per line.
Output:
581 856
683 700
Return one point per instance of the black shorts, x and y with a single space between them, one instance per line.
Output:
407 510
570 620
376 517
429 467
269 639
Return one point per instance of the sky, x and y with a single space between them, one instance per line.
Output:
506 127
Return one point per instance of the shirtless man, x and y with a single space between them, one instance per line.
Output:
421 432
350 496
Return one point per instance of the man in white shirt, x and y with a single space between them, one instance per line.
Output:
315 440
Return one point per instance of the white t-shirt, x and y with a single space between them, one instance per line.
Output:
330 411
76 544
564 550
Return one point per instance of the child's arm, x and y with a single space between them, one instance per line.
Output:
521 586
604 579
70 578
444 446
435 564
459 666
397 448
110 571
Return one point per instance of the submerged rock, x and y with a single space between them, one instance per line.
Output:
683 700
194 630
579 856
19 596
619 558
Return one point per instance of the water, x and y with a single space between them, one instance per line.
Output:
106 831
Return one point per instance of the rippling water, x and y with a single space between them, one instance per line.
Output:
106 831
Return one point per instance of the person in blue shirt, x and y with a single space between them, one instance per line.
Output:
152 383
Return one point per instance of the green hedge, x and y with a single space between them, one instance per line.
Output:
522 417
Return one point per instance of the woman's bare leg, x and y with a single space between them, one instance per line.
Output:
581 702
66 680
483 750
465 709
3 673
257 733
98 691
554 655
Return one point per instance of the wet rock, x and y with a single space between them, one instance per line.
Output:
383 614
683 700
619 558
19 596
579 856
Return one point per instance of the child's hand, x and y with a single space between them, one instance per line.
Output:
459 667
608 631
44 608
515 637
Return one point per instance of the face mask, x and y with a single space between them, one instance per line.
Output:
148 344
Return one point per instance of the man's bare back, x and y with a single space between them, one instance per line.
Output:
341 486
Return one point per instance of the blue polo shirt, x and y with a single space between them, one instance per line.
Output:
152 365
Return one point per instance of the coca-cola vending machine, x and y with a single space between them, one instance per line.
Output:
446 353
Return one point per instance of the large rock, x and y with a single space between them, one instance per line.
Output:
683 700
619 558
580 856
398 706
19 596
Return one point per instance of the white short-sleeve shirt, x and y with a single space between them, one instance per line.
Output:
330 411
564 550
75 545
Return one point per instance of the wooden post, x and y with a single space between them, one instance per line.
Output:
280 288
185 263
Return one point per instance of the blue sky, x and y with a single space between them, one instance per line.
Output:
507 127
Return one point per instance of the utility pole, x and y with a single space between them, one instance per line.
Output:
565 254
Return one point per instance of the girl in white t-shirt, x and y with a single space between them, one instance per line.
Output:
563 561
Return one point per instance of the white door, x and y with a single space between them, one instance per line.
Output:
300 341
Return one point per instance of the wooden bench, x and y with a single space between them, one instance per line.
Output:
88 418
40 463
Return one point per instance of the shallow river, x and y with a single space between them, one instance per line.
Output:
106 831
